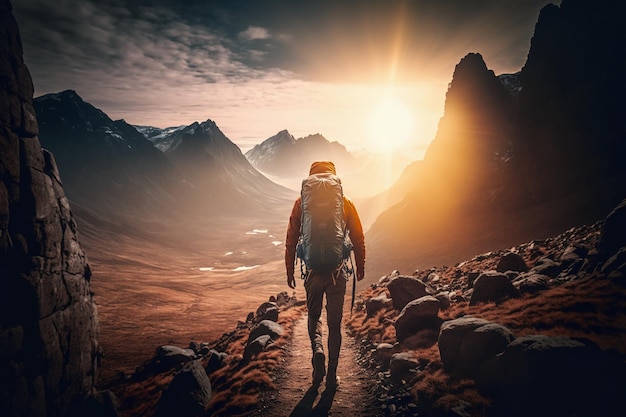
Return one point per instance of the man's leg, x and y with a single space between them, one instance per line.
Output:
314 297
335 294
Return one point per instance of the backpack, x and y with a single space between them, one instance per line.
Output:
323 244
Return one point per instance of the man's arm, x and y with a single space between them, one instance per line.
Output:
293 234
353 222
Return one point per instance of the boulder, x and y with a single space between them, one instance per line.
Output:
404 289
215 361
615 266
511 262
267 311
493 286
256 346
401 365
613 235
420 314
531 283
554 375
548 267
444 300
188 395
451 337
375 304
266 327
482 344
173 356
383 353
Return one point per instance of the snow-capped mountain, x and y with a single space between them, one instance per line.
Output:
283 155
219 170
288 160
159 137
110 167
107 165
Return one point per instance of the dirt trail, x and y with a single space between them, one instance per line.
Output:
296 397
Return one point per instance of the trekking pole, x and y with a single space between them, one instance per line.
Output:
353 284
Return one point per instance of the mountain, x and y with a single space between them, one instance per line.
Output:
283 155
287 160
572 104
224 179
106 165
112 169
520 156
159 137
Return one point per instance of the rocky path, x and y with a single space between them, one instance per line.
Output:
296 398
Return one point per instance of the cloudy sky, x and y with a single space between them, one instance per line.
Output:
361 72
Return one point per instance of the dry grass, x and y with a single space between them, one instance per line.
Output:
592 307
236 386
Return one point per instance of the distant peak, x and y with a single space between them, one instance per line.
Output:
63 95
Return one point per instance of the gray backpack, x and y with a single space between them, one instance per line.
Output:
323 244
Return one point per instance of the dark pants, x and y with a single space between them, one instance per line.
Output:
316 286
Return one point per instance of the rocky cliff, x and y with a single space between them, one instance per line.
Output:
48 319
523 156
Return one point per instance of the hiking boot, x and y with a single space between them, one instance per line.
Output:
319 367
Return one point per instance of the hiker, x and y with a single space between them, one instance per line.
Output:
332 283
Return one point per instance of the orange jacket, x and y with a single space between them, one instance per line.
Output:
353 223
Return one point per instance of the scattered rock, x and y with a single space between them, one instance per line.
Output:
493 286
549 375
267 311
256 346
404 289
266 327
375 304
548 267
532 283
482 344
215 361
613 236
383 354
420 314
172 356
451 337
401 365
512 262
188 395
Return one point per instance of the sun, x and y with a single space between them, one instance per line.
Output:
391 126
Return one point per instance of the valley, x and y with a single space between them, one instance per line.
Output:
156 287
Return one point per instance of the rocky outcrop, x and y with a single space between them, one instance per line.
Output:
48 319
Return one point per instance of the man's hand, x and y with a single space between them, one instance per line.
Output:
291 281
360 274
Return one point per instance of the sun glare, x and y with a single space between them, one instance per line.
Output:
391 126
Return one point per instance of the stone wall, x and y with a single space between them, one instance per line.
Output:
48 318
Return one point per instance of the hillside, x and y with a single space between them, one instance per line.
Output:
566 291
518 158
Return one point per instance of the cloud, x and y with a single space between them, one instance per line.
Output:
254 33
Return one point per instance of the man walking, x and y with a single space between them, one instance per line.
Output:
319 282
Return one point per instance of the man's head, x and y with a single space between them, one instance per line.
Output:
322 167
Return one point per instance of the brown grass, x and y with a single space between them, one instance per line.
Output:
238 385
593 307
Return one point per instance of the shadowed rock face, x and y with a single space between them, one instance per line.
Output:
48 319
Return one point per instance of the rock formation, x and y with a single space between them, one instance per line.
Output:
48 320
